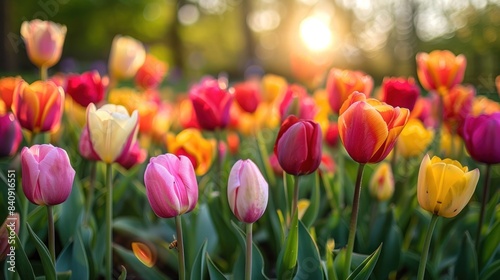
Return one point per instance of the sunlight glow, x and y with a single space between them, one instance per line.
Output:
316 33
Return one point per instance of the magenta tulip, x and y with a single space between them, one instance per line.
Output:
298 146
87 88
481 135
10 135
247 191
171 185
47 174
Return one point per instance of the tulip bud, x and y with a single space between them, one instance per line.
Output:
445 186
10 135
126 56
247 191
171 185
9 228
151 73
39 106
481 135
382 182
440 70
87 88
7 87
298 146
47 174
332 135
44 41
112 131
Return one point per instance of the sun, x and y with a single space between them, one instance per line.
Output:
316 33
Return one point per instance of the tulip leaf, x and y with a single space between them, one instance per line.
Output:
289 181
70 212
257 259
313 209
136 265
287 259
364 270
309 262
123 275
490 245
492 271
213 271
48 266
74 258
22 261
466 264
199 268
330 268
386 231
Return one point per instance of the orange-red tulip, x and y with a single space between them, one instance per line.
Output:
440 70
341 83
7 86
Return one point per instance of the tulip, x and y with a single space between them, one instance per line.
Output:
9 227
112 131
275 165
484 105
187 115
247 95
297 102
414 139
369 128
44 41
247 191
481 135
327 165
133 157
10 135
341 83
233 142
87 88
126 56
382 182
445 186
423 111
191 144
7 87
457 105
332 135
47 174
440 70
298 146
151 73
400 92
39 106
450 142
211 104
273 86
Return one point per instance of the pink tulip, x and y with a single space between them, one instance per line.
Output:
87 88
247 191
134 156
297 102
47 174
85 146
171 185
10 135
44 41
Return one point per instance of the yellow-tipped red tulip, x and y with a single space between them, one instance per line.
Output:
440 70
445 186
369 128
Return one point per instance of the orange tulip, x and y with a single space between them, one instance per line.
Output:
341 83
369 128
440 70
190 143
7 86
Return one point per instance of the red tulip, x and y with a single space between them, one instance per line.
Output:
151 73
247 95
87 88
332 134
341 83
298 146
400 92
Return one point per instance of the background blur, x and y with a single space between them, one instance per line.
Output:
299 39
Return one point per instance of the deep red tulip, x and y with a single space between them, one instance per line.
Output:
400 92
247 95
87 88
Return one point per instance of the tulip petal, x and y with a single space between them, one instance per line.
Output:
30 174
189 189
56 177
459 194
160 190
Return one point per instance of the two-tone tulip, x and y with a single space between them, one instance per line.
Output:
481 135
211 103
171 185
47 174
10 135
44 41
39 106
440 70
88 87
369 128
7 87
414 139
400 92
126 56
112 131
342 83
298 146
457 105
247 191
445 186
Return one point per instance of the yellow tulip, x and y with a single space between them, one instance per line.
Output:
450 143
445 186
414 139
273 86
382 182
112 131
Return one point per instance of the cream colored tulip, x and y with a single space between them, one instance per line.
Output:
112 131
445 186
126 56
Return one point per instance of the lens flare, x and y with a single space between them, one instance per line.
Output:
316 33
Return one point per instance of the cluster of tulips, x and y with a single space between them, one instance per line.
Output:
83 132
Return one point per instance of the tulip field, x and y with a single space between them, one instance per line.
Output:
117 175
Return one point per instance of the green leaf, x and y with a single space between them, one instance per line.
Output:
213 271
123 275
490 244
313 209
74 258
364 270
257 259
22 261
388 233
466 264
199 269
309 262
70 213
287 259
65 275
142 270
492 271
48 266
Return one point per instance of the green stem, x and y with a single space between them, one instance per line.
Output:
295 195
486 190
43 73
180 248
109 221
218 165
248 260
425 252
394 158
90 192
52 246
354 218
